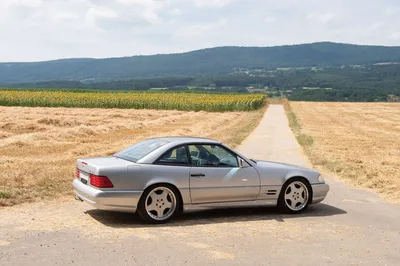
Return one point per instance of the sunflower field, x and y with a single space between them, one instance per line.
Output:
186 101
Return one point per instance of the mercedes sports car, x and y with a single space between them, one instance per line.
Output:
159 178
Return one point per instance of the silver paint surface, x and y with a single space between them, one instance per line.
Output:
258 183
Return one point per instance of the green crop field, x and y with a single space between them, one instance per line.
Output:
136 100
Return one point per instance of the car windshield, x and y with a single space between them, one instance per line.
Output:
141 149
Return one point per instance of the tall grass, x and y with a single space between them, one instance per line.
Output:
303 139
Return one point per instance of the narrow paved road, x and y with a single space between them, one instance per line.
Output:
352 226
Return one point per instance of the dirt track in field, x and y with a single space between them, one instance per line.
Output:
352 226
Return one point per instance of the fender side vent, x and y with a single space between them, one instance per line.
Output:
271 192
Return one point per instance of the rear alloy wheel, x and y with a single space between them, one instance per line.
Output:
295 196
159 204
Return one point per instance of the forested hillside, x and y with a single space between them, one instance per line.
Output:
206 62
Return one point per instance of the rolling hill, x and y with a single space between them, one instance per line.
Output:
212 61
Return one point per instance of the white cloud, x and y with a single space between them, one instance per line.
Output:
151 16
154 4
211 3
376 26
133 1
395 36
323 18
193 32
393 10
25 3
65 16
269 19
222 22
176 12
98 13
109 28
198 32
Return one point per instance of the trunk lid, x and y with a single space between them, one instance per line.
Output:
97 164
109 170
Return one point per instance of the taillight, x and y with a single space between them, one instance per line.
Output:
100 181
77 173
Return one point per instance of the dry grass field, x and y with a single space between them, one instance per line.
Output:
360 142
39 146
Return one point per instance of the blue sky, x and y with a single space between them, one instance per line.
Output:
34 30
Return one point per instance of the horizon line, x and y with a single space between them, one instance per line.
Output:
190 51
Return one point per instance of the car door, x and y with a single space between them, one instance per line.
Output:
172 167
215 176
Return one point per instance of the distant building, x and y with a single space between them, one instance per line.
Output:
393 98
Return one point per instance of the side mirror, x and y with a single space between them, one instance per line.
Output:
242 163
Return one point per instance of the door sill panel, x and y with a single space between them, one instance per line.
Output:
236 204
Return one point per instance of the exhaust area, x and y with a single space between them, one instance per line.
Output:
78 198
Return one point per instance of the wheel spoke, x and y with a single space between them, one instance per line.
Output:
167 205
160 212
163 195
289 190
152 207
293 203
154 196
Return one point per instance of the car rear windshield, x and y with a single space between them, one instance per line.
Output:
136 152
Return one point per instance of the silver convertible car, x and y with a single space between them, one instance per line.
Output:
160 177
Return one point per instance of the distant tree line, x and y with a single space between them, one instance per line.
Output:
243 81
345 95
132 84
367 83
374 77
350 83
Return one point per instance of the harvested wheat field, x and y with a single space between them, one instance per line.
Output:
359 142
39 146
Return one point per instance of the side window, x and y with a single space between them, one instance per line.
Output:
176 156
212 156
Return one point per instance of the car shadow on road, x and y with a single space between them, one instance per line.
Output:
213 216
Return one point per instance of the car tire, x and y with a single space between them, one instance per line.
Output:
295 196
159 204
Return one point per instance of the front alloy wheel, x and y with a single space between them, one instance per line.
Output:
295 196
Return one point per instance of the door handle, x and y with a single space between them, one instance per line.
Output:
197 175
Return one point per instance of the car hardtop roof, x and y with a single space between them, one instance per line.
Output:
180 139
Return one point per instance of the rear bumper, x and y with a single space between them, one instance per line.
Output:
319 192
123 201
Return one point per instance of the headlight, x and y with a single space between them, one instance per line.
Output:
321 179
